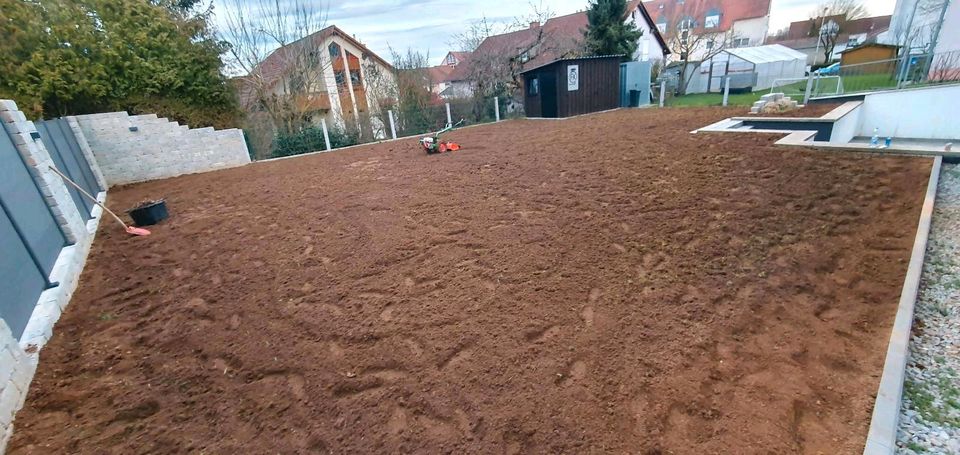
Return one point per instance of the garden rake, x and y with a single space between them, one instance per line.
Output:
130 229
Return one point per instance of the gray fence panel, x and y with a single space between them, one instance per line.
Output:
91 185
30 238
23 282
65 162
27 207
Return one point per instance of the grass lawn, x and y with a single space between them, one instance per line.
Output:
714 99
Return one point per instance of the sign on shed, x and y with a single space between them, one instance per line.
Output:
573 78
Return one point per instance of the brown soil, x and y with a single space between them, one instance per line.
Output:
607 284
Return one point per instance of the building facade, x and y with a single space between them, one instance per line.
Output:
328 76
696 29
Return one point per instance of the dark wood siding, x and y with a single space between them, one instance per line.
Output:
599 87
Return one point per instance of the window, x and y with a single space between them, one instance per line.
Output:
451 60
741 42
686 23
355 79
713 19
334 50
341 78
710 43
662 25
534 88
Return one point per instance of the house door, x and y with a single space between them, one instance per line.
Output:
548 95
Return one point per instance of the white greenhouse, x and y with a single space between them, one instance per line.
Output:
749 68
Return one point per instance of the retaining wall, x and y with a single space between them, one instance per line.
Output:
19 357
136 148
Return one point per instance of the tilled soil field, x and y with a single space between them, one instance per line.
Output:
605 284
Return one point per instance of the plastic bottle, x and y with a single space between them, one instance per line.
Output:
888 142
875 140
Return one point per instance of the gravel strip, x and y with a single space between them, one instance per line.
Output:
930 415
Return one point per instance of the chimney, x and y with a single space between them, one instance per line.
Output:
534 24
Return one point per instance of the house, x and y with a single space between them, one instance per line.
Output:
501 58
329 76
804 35
440 75
699 24
916 26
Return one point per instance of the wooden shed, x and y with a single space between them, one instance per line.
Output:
868 53
572 86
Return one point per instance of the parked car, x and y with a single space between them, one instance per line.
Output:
831 70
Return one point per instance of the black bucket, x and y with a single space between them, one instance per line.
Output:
149 214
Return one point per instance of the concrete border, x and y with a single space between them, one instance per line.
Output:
882 437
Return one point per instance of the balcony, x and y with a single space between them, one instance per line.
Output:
317 101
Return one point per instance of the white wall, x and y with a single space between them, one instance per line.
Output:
159 148
924 113
755 29
648 48
950 32
847 127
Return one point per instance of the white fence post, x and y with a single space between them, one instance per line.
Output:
726 92
449 120
663 91
326 135
393 125
496 107
806 95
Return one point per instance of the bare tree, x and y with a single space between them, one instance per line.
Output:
694 41
274 45
830 19
469 40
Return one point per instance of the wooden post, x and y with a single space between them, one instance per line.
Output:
726 91
449 120
326 136
393 125
663 91
496 107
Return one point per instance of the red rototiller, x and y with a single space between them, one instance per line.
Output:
433 144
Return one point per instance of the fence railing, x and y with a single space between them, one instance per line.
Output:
908 71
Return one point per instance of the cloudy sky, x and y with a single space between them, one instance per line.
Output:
428 25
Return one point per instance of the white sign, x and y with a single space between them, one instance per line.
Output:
573 78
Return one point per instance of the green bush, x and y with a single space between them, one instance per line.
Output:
311 140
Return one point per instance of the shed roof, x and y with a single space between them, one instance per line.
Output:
766 54
568 59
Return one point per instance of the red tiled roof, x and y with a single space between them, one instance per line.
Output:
560 37
439 73
730 10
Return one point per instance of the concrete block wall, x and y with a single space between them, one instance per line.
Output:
136 148
19 358
16 371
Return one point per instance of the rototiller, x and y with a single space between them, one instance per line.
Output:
433 144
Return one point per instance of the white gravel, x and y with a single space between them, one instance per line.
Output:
930 414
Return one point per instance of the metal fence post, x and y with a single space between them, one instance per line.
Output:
393 125
806 95
449 120
496 107
326 136
726 91
663 92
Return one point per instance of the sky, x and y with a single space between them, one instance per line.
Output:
429 25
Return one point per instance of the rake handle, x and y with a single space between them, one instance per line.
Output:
85 193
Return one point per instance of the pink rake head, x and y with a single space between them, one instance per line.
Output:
137 231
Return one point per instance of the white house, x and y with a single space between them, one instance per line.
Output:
743 23
328 75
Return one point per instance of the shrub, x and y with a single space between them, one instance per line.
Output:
311 140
